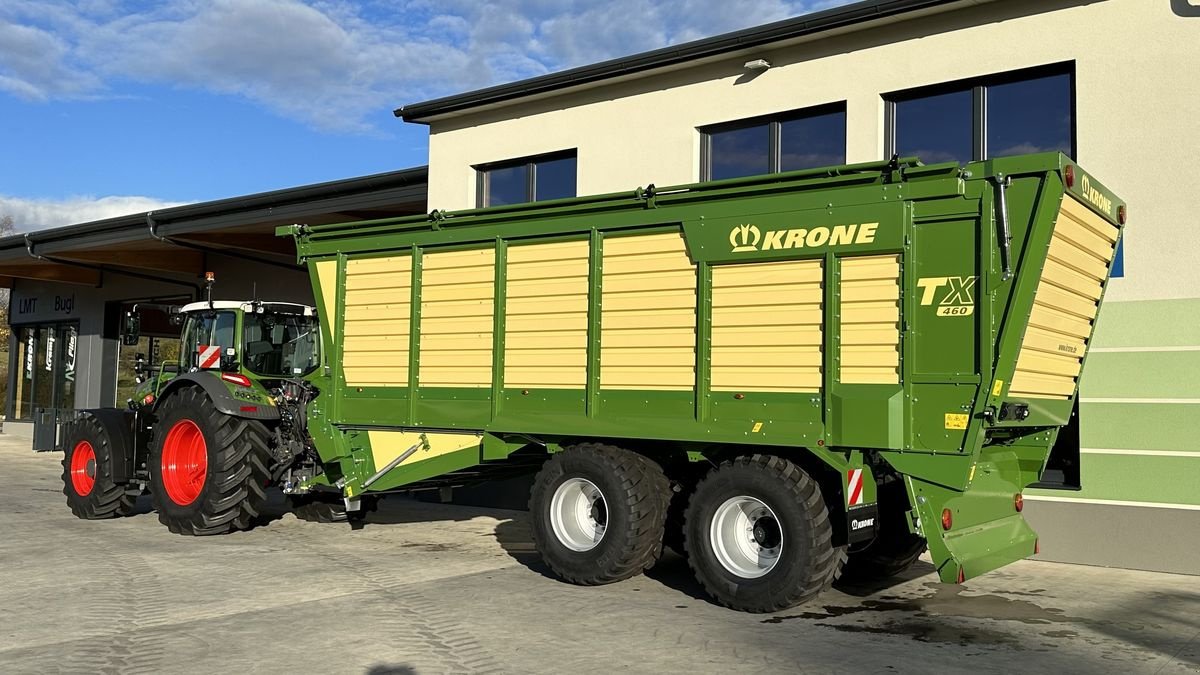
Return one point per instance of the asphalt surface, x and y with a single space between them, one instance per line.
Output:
427 588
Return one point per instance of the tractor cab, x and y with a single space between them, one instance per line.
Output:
274 340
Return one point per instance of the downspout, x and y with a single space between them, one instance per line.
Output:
29 244
153 224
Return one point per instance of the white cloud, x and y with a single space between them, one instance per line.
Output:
38 214
333 63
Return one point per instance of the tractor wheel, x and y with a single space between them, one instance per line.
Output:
322 508
208 469
598 513
758 535
894 548
88 472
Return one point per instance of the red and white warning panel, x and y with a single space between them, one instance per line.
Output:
208 356
854 487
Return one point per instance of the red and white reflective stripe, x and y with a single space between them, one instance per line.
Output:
209 357
854 491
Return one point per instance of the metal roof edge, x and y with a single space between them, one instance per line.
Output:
176 214
804 25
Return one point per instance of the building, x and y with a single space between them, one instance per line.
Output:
1110 82
71 285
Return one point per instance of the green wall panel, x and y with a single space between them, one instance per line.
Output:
1143 426
1148 323
1141 375
1137 478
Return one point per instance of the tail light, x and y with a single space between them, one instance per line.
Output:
1069 175
1037 546
1121 214
947 519
962 575
1019 501
235 378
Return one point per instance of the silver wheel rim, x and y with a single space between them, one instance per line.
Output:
578 514
746 537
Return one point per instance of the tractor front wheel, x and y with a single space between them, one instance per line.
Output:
88 460
208 469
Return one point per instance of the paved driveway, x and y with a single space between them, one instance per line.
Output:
428 588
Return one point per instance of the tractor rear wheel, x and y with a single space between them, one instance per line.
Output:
208 469
758 535
87 476
598 513
328 507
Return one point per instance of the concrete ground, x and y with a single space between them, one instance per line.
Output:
429 588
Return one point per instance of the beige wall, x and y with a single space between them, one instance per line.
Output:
1138 112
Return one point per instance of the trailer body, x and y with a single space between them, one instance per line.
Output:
931 320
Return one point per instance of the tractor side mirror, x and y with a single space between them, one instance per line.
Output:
131 330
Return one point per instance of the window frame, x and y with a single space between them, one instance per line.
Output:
530 163
774 122
978 87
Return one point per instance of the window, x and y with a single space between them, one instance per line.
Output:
532 179
802 139
1009 114
44 373
1015 113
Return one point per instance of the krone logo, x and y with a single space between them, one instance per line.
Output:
744 238
1096 197
954 295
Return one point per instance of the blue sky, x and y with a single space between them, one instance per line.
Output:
112 106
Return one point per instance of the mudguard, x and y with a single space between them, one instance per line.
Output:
254 405
118 424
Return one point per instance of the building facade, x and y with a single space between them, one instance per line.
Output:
1110 82
71 286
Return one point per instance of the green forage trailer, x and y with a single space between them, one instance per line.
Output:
786 378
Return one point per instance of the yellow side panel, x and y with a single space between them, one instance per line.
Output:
869 338
648 314
388 445
327 275
546 305
375 335
457 304
1065 304
766 333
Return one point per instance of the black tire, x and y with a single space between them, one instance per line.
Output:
103 498
327 508
894 548
635 496
237 453
800 528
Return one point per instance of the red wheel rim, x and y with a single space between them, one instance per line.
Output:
184 462
83 468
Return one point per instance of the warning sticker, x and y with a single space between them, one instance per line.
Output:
956 420
854 487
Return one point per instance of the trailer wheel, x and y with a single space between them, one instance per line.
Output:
758 535
88 472
208 470
894 549
598 513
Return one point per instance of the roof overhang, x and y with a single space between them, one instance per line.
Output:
239 227
808 27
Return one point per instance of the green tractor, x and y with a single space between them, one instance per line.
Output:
206 435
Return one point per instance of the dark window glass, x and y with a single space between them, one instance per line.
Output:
1029 116
507 185
811 142
555 178
935 128
740 152
529 179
